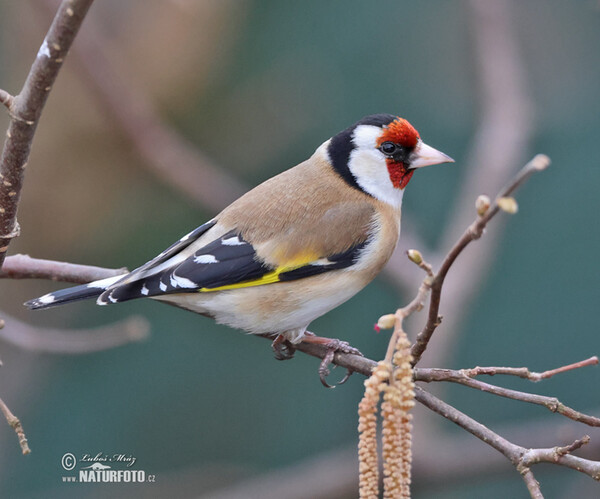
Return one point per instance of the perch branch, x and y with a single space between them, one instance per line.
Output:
14 422
522 458
473 232
25 267
365 366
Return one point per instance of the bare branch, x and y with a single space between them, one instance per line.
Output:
533 486
14 422
577 444
416 304
365 366
60 341
550 403
521 457
25 267
562 456
524 372
473 232
26 109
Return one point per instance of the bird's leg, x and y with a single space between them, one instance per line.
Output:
333 346
282 348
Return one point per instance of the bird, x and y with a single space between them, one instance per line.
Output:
291 249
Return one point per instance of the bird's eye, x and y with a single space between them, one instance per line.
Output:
388 148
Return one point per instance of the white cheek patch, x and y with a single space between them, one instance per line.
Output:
365 136
369 168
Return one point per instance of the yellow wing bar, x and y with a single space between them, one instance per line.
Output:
268 278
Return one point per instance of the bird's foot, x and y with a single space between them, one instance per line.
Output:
333 346
282 348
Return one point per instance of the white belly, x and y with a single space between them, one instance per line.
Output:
279 308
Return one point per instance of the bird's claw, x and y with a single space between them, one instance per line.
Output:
282 348
335 346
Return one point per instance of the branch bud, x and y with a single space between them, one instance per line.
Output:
509 205
415 256
386 322
540 162
482 204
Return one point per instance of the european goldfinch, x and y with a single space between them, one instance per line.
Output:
292 248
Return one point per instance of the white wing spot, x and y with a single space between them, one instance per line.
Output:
44 50
49 298
205 259
182 282
145 290
105 283
162 286
322 261
111 299
232 241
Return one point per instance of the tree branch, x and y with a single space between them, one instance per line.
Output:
25 267
524 372
26 109
550 403
473 232
520 457
14 422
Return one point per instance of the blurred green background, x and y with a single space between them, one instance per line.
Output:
257 86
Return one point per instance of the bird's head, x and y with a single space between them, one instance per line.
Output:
379 155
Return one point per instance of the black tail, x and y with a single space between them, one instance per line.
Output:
76 293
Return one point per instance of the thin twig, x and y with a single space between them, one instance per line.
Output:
473 232
416 304
73 341
550 403
14 422
559 455
524 372
533 486
25 267
577 444
26 109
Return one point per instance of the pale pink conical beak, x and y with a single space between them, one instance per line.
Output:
425 155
